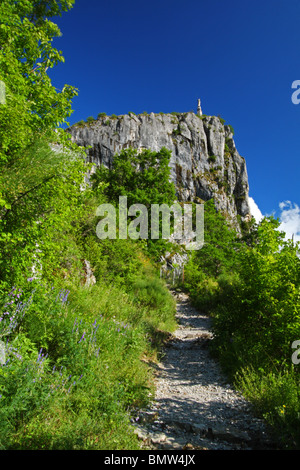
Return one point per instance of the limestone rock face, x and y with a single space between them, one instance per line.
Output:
205 163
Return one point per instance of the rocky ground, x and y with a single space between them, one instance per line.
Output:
195 407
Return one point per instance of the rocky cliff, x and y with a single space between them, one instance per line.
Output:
205 163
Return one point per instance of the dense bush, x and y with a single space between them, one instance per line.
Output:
261 304
90 120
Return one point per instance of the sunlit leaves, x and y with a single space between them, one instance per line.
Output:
26 53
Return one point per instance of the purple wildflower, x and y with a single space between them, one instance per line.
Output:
82 337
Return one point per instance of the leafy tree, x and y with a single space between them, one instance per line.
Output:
220 242
33 104
44 218
143 177
215 260
31 172
258 316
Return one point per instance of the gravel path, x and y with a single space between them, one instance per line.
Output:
194 406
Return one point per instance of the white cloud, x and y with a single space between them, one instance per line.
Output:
255 211
290 220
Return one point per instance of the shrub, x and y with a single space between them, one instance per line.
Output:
152 293
80 123
90 120
231 129
275 396
177 131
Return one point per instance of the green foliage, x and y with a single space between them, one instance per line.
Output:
44 212
275 396
219 251
152 293
212 158
177 131
143 178
263 306
231 128
26 54
75 354
252 290
40 197
80 123
73 370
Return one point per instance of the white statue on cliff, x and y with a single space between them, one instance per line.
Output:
199 110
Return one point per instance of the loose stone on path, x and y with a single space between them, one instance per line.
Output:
194 406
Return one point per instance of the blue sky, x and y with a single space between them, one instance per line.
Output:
240 57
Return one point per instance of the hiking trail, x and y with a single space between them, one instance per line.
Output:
195 407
